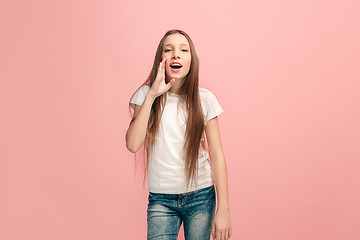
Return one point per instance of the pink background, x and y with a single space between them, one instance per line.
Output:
285 72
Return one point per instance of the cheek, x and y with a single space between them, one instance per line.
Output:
189 62
168 70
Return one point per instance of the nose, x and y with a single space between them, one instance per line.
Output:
176 55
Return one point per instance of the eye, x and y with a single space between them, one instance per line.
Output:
167 50
185 50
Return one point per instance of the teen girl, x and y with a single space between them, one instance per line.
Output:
171 115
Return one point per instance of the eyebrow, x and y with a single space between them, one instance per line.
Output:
169 44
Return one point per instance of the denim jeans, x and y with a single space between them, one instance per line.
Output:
166 212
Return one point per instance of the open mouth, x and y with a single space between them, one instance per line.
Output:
176 66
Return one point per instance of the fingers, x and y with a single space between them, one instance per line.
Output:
213 235
218 235
170 83
161 69
213 232
229 233
163 63
226 235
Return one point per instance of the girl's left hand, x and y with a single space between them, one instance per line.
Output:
221 226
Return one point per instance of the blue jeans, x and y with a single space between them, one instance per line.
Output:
166 212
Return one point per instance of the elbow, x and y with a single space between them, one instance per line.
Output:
131 147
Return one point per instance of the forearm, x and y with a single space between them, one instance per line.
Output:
136 132
221 182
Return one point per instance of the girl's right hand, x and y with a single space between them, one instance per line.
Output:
159 86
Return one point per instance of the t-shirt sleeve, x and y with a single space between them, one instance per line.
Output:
213 108
139 96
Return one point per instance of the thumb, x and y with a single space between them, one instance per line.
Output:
170 83
213 232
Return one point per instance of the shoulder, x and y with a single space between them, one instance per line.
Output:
206 94
144 88
209 104
139 95
142 91
204 91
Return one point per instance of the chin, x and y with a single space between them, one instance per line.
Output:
178 77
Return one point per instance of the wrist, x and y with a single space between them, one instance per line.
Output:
223 207
150 96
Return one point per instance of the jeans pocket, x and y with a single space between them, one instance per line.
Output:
208 189
150 197
211 191
205 193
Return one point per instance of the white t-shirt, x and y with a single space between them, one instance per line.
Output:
166 158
